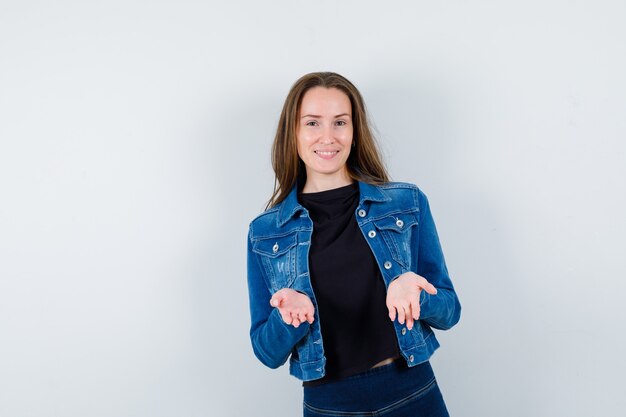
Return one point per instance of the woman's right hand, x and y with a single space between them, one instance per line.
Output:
294 307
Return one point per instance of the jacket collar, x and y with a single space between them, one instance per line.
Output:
290 206
370 192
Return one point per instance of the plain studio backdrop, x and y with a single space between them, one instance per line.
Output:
135 149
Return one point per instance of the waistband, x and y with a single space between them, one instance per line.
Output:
326 380
373 388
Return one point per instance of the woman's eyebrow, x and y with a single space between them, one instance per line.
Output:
318 116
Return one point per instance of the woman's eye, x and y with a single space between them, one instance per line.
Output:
311 123
341 123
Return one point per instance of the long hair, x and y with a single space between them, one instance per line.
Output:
364 162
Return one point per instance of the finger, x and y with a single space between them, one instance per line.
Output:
295 320
427 286
308 317
409 316
409 320
286 316
401 315
415 309
302 316
392 312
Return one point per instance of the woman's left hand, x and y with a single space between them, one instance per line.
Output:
403 296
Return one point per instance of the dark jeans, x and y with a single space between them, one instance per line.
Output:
392 390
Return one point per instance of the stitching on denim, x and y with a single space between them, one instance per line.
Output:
290 231
391 213
293 256
434 322
338 413
408 223
396 253
268 267
277 235
273 255
430 334
397 184
415 395
300 363
269 271
381 411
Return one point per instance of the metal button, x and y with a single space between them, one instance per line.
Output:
411 358
362 213
275 247
371 233
403 331
387 265
399 223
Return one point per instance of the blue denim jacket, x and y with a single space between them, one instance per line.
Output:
396 221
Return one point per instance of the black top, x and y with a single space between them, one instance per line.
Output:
349 289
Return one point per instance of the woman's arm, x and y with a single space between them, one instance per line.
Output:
443 310
272 339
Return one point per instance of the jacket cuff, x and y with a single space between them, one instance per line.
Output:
286 331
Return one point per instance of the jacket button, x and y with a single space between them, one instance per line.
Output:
387 265
275 247
399 223
403 331
362 213
411 358
371 233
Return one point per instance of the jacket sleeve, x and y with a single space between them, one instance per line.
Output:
272 339
443 310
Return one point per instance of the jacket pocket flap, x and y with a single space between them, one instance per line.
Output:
274 246
398 222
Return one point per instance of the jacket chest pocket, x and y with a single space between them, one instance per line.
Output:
277 254
397 231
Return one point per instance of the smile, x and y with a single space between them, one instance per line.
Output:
326 154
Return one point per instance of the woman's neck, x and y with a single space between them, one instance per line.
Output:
317 183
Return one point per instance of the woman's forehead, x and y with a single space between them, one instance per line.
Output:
322 101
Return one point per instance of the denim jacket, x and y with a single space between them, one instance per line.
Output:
396 222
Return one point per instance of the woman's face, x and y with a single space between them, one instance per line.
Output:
324 133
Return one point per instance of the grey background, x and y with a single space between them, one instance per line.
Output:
134 150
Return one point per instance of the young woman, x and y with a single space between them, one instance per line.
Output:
346 274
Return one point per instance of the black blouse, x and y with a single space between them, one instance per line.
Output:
350 292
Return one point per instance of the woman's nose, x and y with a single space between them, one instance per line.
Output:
327 135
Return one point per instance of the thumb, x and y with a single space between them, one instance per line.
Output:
276 300
430 289
426 286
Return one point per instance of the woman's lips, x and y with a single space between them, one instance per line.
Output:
326 154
